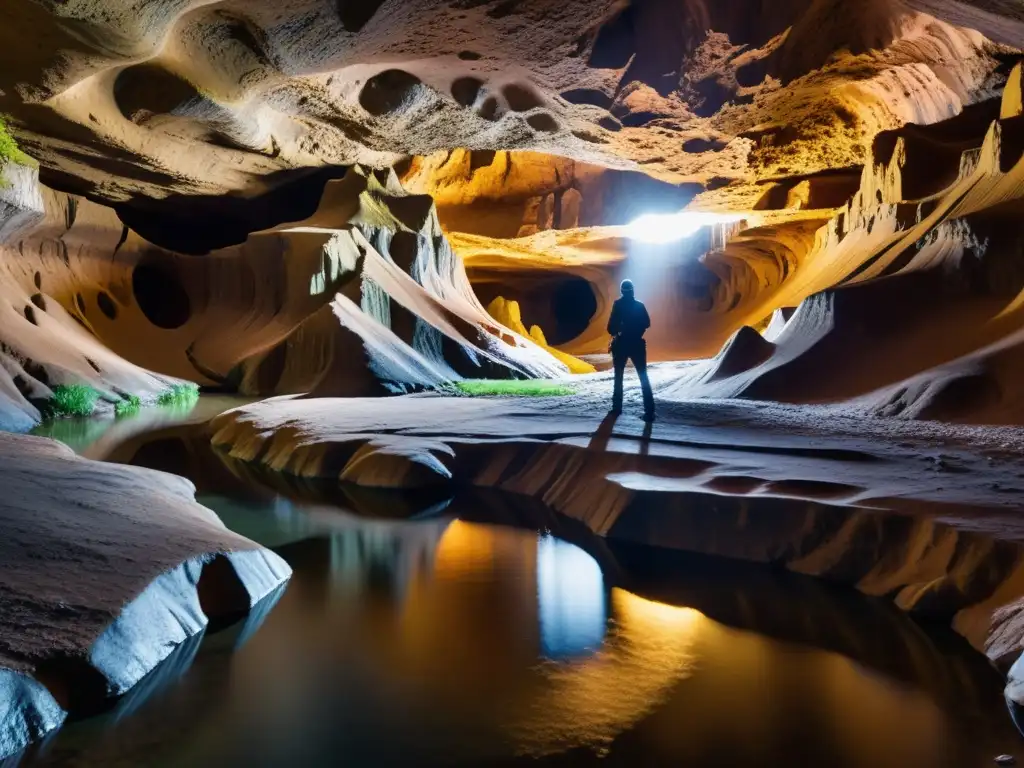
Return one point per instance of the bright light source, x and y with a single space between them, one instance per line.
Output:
669 227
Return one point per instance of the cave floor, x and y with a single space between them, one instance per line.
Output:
969 476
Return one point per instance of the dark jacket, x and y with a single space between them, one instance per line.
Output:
629 320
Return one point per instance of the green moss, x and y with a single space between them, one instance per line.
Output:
71 400
512 388
128 406
185 393
10 152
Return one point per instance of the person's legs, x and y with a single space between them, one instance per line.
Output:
619 363
639 357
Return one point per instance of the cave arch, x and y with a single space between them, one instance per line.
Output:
563 305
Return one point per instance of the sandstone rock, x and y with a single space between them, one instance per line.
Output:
509 314
363 296
41 345
94 595
196 99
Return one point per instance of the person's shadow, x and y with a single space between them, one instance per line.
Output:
603 435
645 438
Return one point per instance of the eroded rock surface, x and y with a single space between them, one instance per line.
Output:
362 296
199 97
107 569
899 294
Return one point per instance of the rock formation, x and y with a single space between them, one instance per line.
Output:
193 97
362 296
344 200
866 508
85 617
44 238
765 113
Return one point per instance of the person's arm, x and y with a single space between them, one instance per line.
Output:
614 322
645 319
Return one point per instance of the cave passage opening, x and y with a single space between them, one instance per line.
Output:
563 305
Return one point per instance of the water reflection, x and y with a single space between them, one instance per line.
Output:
456 643
442 641
98 438
570 599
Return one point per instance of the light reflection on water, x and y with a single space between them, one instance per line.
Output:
447 642
570 599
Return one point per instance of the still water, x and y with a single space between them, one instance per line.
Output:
420 632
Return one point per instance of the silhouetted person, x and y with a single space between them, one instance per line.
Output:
627 325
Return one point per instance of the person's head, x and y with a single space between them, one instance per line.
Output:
627 288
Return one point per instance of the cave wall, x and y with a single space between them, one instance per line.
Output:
904 307
364 296
46 342
842 133
902 299
145 100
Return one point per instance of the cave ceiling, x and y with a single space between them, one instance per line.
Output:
133 100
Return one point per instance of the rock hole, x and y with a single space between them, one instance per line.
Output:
609 123
543 122
590 96
490 109
92 364
37 372
698 146
469 56
30 315
520 98
106 305
161 296
39 301
356 14
403 249
481 158
145 90
391 91
222 596
39 281
465 90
